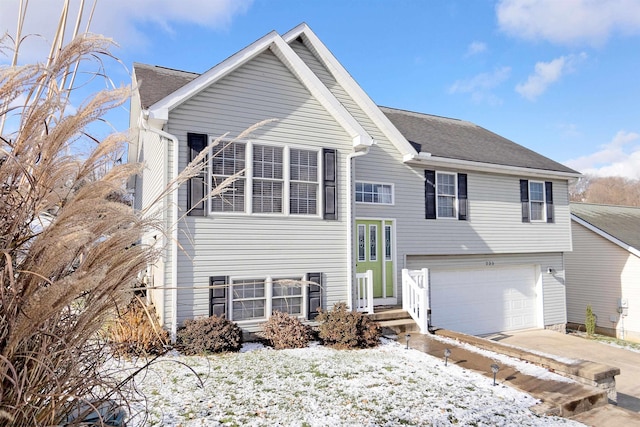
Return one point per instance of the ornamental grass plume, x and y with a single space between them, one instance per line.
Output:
69 252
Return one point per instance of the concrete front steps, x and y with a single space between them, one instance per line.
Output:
394 319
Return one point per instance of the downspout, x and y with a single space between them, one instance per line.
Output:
350 222
174 228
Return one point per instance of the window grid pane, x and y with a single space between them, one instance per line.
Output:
248 299
287 298
536 197
303 189
446 189
229 161
374 193
267 196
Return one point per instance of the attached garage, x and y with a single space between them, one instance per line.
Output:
482 301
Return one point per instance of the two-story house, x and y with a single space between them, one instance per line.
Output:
337 186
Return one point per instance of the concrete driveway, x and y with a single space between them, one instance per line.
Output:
571 346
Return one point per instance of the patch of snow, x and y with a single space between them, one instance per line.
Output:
522 366
320 386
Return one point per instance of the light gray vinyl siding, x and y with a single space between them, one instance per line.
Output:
494 224
553 288
600 272
256 246
154 154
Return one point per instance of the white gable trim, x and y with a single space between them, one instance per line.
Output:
160 110
606 235
350 86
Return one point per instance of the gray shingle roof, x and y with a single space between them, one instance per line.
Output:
156 82
443 137
461 140
621 222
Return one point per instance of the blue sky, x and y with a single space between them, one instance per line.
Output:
558 76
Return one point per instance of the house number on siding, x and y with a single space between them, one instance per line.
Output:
490 263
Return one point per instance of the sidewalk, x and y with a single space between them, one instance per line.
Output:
582 403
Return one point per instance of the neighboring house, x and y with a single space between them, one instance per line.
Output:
604 268
337 186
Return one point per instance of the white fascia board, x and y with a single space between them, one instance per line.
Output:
429 160
351 87
296 65
606 235
160 110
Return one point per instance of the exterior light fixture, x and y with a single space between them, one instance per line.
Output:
447 353
494 368
406 337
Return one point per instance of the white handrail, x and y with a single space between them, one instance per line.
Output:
364 292
415 296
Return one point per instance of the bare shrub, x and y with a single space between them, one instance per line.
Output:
285 331
137 332
209 335
342 328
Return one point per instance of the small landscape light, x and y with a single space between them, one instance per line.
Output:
494 368
447 353
406 337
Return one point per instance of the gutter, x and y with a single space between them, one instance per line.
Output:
350 222
174 228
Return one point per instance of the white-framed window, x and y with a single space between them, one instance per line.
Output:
276 179
248 299
369 192
286 296
446 194
258 298
537 201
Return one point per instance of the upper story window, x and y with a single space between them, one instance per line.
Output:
276 179
368 192
446 191
536 198
445 195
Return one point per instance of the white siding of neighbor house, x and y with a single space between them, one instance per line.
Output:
256 246
600 272
494 224
553 285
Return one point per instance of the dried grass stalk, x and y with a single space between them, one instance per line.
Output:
69 252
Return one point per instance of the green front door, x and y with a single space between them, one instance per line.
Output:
374 248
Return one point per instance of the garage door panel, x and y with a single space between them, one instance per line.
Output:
485 300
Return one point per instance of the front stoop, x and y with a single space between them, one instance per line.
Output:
396 320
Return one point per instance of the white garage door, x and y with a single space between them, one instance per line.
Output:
484 301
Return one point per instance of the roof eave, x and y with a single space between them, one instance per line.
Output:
427 159
606 235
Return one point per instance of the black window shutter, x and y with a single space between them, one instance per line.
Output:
524 199
218 295
462 197
329 181
548 191
314 294
430 194
195 191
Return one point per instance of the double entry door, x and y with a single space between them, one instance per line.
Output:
374 251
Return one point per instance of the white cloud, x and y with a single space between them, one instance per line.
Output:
546 73
480 86
476 48
118 19
569 21
620 157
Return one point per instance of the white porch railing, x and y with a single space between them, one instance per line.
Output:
364 292
415 296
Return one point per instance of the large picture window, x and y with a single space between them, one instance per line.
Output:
276 180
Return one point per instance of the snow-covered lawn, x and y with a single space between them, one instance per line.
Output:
319 386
